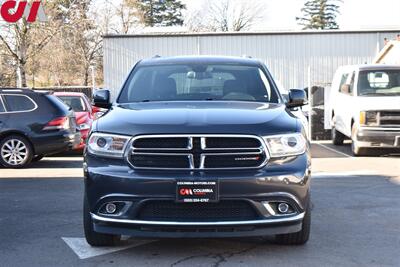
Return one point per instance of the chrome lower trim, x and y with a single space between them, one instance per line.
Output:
158 223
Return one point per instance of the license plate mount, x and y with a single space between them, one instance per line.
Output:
197 191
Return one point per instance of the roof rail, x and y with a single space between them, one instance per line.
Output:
14 89
246 56
156 56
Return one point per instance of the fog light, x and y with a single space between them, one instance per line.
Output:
283 208
111 208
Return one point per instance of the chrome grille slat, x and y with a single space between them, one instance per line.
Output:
197 152
389 118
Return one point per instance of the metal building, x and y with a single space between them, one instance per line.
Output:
296 59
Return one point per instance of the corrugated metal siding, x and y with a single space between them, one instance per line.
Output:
288 55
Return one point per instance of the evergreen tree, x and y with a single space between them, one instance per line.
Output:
319 14
160 12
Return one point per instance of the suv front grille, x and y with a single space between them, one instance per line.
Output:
191 152
389 117
226 210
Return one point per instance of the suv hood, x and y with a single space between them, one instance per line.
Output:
214 117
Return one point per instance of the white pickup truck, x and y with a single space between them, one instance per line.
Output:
366 107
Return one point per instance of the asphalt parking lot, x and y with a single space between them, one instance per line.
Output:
355 221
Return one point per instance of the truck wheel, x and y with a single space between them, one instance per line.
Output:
15 152
93 238
299 238
356 150
337 137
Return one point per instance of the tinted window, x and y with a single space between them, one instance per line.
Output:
17 103
1 106
58 103
376 82
343 80
75 102
184 82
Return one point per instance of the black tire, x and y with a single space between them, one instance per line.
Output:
37 158
26 153
93 238
337 137
299 238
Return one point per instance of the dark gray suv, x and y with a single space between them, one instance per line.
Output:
198 147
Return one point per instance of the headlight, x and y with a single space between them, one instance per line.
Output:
286 145
107 145
369 118
84 126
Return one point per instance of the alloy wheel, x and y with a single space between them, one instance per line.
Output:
14 152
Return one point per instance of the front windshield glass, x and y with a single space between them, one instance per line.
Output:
379 83
198 82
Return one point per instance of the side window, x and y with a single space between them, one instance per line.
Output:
18 103
343 80
348 80
1 106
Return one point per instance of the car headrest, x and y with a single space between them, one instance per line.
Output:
234 86
76 104
165 88
363 82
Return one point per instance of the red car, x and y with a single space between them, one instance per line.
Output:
84 112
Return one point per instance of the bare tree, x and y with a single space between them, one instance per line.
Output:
119 17
23 40
225 15
83 39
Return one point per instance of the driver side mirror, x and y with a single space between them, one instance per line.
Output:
101 98
297 98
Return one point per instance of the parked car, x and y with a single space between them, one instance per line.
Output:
198 147
366 107
32 125
84 112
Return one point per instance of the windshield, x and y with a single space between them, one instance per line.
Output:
198 82
379 83
75 102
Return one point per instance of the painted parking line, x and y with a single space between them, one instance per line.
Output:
84 251
332 150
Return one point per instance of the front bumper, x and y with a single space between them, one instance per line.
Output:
254 228
112 180
378 137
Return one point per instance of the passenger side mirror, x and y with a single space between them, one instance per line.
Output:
345 89
101 98
297 98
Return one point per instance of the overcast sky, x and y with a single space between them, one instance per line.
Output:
355 14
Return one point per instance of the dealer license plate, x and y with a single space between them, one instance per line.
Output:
197 191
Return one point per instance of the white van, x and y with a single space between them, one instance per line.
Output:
365 106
